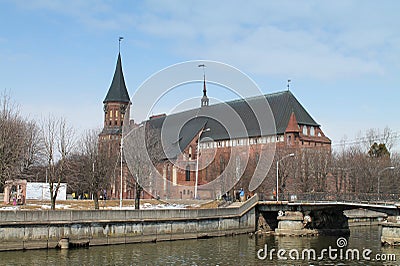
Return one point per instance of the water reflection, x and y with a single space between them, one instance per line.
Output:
237 250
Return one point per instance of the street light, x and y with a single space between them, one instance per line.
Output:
197 160
379 178
277 174
121 150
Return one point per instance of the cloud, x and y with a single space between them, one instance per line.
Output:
309 39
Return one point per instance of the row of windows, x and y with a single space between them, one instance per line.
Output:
115 123
111 117
242 142
189 192
111 112
312 131
110 137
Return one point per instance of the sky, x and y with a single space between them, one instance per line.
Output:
342 57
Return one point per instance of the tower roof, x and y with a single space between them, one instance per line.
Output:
292 126
118 91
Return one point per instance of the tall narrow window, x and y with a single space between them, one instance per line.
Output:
312 131
190 152
304 130
187 173
289 140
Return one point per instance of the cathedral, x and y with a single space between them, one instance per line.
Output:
200 133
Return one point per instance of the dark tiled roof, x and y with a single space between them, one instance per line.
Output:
179 129
118 91
282 105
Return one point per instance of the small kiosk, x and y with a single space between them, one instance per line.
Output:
15 192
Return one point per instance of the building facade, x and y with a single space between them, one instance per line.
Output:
203 131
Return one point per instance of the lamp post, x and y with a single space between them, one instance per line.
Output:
277 174
379 178
197 160
121 151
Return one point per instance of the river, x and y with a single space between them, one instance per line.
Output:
232 250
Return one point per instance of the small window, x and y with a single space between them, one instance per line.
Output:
187 173
184 192
190 152
304 130
312 131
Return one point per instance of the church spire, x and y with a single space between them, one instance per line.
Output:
117 101
204 99
118 91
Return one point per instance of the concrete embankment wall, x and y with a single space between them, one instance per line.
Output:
43 229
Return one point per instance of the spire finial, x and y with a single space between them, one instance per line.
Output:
288 82
204 100
119 43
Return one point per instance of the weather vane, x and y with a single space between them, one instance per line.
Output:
288 82
203 66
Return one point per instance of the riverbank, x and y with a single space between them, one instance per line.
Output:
35 229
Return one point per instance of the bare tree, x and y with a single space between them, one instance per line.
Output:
94 165
143 151
32 156
58 139
19 142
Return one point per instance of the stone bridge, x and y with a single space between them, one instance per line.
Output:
314 217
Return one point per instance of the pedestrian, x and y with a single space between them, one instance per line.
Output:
241 194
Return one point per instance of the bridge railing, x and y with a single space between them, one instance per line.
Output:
350 197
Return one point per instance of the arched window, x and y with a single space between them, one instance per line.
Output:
304 130
312 131
187 172
289 140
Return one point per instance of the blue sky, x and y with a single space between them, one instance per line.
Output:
343 57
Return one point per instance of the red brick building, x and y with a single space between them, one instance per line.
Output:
290 127
294 130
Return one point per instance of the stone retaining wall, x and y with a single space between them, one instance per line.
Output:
44 229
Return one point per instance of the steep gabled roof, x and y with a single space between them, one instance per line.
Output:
283 104
179 129
118 91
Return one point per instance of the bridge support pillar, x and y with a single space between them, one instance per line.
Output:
293 223
391 231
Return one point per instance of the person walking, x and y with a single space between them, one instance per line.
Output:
241 194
